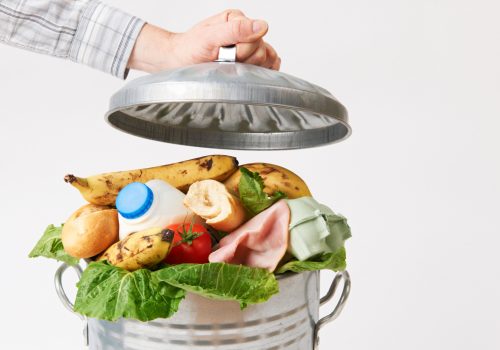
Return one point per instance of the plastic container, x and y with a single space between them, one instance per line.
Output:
288 321
153 204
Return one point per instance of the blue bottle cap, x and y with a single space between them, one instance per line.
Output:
134 200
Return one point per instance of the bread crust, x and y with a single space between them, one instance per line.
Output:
90 230
211 200
234 218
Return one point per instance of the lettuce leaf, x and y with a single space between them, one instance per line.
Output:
222 281
332 261
50 246
107 292
252 195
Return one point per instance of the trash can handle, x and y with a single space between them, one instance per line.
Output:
227 54
65 300
343 275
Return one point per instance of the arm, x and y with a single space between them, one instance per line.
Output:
105 38
84 31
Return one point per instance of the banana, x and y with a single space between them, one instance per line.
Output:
102 189
140 249
275 178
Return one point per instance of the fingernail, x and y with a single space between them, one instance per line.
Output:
258 26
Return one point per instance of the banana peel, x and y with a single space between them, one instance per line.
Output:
103 189
139 250
275 178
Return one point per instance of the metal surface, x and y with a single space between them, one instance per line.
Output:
344 275
229 105
288 321
284 322
65 300
227 54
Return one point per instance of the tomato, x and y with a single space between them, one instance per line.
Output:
192 244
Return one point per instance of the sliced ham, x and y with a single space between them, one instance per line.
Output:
260 242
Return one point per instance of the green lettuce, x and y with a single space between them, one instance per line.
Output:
107 292
50 246
252 195
222 281
327 261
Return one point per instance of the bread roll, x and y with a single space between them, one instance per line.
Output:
211 200
90 231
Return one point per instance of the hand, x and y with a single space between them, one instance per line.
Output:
157 49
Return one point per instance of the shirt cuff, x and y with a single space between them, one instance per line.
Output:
104 38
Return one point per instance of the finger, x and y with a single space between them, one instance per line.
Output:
245 50
223 17
259 57
271 56
241 30
277 64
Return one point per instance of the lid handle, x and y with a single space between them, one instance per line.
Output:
227 54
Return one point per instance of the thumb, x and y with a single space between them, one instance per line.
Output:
241 30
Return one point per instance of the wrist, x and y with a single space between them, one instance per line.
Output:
152 51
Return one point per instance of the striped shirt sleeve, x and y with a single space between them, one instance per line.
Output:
84 31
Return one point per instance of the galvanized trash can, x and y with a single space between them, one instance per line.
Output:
288 321
227 105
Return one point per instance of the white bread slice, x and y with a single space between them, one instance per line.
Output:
211 200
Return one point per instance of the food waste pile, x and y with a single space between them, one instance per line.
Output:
207 226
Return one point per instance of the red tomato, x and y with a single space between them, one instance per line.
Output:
192 244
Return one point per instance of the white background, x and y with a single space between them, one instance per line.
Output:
419 179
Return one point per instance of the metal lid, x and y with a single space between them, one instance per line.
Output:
229 105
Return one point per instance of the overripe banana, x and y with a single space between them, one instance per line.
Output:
140 249
102 189
275 178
